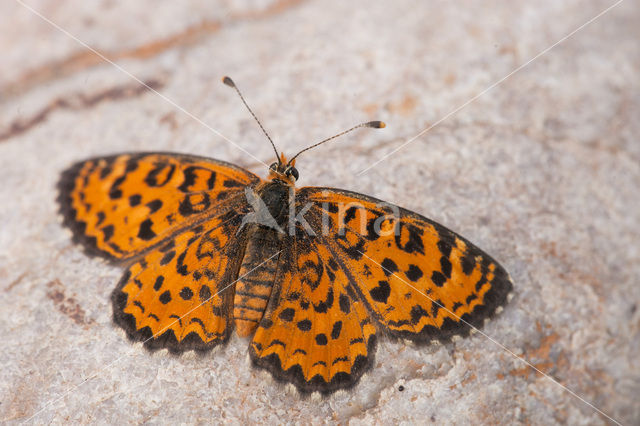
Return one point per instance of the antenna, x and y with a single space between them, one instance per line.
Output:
227 80
374 124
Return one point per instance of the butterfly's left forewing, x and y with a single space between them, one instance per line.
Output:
419 280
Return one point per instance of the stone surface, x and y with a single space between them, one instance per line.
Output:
541 171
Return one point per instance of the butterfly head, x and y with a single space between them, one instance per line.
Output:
284 171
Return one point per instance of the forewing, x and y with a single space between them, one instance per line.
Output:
121 205
315 333
180 295
419 279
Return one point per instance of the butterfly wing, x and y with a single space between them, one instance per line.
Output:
419 280
180 295
315 333
176 220
121 205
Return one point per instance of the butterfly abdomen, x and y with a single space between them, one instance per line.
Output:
255 279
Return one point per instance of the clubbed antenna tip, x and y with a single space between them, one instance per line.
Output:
227 80
373 124
376 124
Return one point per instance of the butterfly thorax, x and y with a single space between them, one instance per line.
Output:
264 236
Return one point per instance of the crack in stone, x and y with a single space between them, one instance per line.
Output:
78 102
86 59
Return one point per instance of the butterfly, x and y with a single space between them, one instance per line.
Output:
314 276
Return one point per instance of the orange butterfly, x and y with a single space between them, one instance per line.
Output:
313 274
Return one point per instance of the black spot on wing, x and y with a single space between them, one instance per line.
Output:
186 293
445 265
468 263
107 231
414 273
345 304
165 297
381 292
287 314
276 342
168 256
340 359
115 192
171 244
132 164
139 305
353 251
189 179
154 206
438 279
157 285
335 331
444 246
333 265
145 232
304 325
330 274
101 217
233 184
194 203
321 339
389 267
107 168
350 214
181 268
409 238
417 312
160 175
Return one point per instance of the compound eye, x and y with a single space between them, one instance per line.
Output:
273 167
293 172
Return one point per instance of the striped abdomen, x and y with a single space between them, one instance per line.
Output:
255 280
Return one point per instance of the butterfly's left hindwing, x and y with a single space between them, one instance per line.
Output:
419 280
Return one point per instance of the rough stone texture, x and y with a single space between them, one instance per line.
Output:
541 171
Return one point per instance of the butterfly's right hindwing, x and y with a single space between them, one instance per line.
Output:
180 296
315 334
